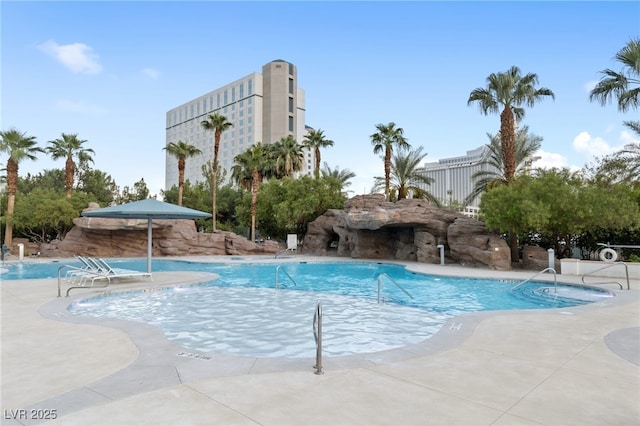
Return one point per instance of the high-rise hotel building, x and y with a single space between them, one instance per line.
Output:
262 108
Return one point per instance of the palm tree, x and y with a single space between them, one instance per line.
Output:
181 150
18 146
218 124
509 91
70 147
248 171
315 140
385 139
526 145
288 156
405 175
624 85
341 175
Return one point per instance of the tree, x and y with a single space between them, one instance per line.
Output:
218 124
558 205
288 156
341 175
405 175
181 150
288 205
18 146
385 139
623 85
70 147
315 140
248 171
509 91
526 145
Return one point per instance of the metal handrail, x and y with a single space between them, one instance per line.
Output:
555 280
96 274
626 268
384 274
317 335
285 271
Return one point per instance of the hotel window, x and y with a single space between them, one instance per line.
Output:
291 69
290 104
250 87
249 120
241 90
218 99
291 85
241 122
233 94
241 113
249 101
291 124
226 98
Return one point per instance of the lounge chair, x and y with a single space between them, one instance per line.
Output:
119 272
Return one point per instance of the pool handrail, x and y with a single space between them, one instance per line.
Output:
84 274
626 269
317 334
555 279
384 274
287 273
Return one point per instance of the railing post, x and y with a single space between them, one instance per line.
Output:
317 330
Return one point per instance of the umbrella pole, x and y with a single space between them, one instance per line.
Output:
149 243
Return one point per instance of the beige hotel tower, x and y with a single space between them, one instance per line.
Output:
262 107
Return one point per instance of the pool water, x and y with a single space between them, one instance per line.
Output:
242 313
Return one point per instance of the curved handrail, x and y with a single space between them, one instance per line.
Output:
384 274
317 335
285 271
555 280
96 275
626 268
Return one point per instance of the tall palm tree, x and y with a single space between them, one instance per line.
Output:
18 146
385 139
526 146
510 91
288 155
248 171
69 146
315 140
405 175
623 85
181 150
218 124
341 175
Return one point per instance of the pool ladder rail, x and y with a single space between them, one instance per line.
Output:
385 275
555 279
611 265
317 334
278 285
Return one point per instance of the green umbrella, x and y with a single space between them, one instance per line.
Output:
147 209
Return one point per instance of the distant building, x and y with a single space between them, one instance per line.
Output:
453 177
262 107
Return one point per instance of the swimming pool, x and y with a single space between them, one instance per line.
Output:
243 314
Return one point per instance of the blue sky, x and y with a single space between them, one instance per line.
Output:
109 71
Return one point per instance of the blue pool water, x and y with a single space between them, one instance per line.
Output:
242 313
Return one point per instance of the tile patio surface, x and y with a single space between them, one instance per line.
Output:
569 366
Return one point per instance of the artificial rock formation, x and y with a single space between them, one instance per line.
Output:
101 237
370 227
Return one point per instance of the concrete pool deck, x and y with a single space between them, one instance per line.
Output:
569 366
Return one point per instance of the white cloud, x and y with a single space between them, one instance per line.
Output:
628 137
549 160
151 73
78 57
584 143
79 107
